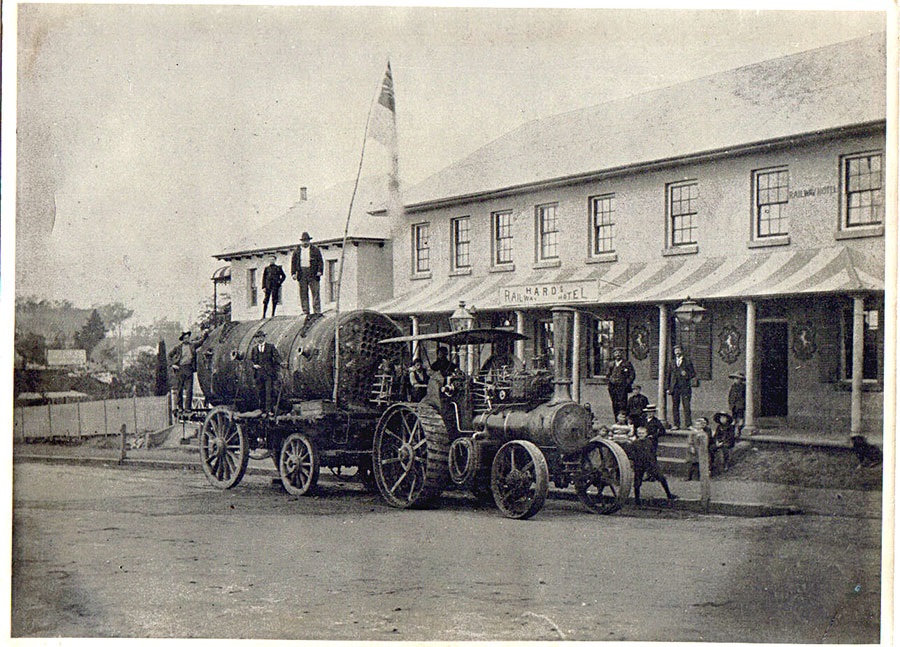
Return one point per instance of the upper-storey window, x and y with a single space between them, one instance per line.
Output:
771 198
502 226
252 288
548 232
683 199
333 286
459 237
421 251
863 180
603 224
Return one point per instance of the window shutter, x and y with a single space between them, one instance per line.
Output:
620 333
829 350
702 350
654 349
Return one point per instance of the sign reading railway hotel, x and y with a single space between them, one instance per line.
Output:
549 293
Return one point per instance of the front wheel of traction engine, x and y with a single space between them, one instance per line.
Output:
605 477
410 455
224 449
520 479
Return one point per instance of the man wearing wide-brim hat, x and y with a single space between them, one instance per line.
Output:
737 399
183 359
306 269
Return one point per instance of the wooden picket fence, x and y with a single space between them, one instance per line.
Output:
74 420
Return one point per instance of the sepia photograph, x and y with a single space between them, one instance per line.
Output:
450 324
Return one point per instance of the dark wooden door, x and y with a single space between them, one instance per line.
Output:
773 372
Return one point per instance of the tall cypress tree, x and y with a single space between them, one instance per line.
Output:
162 369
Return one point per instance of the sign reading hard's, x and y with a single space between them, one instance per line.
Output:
550 293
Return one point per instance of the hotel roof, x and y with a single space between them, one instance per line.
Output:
815 91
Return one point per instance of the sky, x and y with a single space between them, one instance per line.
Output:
150 137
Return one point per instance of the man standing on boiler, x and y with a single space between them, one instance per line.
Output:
306 269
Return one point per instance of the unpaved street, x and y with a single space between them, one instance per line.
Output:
135 553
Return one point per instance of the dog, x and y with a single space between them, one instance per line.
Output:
868 454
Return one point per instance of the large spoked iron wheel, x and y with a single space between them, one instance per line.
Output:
410 455
298 465
605 477
224 449
519 479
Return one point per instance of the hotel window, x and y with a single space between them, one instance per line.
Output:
459 236
683 199
543 344
771 189
502 225
601 340
421 252
548 232
863 182
872 338
252 287
603 226
332 274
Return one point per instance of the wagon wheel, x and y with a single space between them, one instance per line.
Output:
604 478
298 465
519 479
410 455
224 449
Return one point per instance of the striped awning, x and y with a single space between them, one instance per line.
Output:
828 270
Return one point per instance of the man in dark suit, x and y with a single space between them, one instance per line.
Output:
619 377
266 363
680 376
273 277
306 269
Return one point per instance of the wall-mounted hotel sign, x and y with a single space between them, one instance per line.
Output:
550 293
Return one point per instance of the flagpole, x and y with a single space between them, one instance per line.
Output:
337 300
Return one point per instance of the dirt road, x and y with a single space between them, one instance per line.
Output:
130 553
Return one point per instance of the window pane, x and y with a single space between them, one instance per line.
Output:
604 224
502 238
863 198
601 345
771 203
460 232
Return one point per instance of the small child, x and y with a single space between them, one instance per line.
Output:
636 405
643 451
737 401
622 428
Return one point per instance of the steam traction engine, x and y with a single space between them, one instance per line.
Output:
308 430
502 432
498 431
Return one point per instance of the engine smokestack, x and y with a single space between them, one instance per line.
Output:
562 352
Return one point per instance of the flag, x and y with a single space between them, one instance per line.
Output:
383 129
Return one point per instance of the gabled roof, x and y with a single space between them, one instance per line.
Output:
324 216
817 90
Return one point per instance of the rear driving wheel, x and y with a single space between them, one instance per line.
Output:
410 455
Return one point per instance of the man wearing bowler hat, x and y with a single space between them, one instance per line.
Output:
619 377
266 362
306 269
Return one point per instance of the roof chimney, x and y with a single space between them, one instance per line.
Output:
303 193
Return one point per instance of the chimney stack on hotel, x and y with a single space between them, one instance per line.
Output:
303 193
